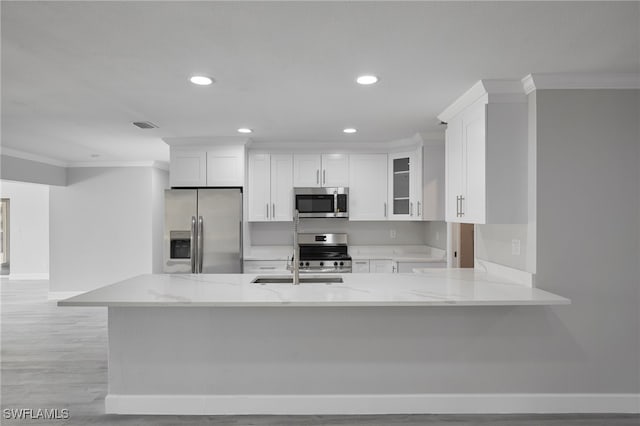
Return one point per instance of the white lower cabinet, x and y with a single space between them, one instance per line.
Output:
410 266
265 267
360 266
381 266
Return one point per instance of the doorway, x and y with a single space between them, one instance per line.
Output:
4 236
462 245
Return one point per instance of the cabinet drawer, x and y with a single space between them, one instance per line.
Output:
360 266
265 267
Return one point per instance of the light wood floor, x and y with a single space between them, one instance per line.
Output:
56 358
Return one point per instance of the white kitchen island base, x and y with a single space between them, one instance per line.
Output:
217 344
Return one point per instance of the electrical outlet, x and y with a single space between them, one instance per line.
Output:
392 234
515 247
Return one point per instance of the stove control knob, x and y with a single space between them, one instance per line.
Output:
306 264
301 264
335 264
341 263
321 263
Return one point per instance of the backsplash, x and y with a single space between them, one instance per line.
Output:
360 233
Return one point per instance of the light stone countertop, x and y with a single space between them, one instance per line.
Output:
433 287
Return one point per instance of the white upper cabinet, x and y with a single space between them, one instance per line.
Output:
206 166
259 188
188 167
335 170
306 170
225 166
368 187
405 185
315 170
282 187
486 155
270 187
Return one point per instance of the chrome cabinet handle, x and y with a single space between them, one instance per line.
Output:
318 176
418 208
385 209
461 206
458 206
273 210
411 209
267 210
324 176
193 244
200 243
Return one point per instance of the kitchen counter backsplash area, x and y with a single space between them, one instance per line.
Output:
408 253
371 233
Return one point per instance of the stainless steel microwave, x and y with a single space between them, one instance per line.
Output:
322 202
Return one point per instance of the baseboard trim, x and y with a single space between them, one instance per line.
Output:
372 404
24 277
60 295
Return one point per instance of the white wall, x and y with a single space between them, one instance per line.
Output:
103 226
588 231
436 234
28 229
19 169
159 182
360 233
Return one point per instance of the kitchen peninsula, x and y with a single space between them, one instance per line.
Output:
220 344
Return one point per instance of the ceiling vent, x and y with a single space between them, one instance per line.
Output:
145 124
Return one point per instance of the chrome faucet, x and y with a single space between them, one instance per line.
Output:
295 268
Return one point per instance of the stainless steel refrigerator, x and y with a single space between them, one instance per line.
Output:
203 231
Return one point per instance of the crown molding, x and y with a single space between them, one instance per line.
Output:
544 81
493 90
201 141
23 155
162 165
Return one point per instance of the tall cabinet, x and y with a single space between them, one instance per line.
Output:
486 155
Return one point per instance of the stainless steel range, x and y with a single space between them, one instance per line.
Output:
324 253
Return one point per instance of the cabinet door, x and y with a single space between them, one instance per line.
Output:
335 170
360 266
225 166
454 169
187 167
405 186
306 170
282 187
368 187
259 188
474 145
415 185
381 266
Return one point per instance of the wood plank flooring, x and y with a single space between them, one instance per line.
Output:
57 358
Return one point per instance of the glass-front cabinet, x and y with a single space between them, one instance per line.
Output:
405 177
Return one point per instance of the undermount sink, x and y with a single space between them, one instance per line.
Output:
288 279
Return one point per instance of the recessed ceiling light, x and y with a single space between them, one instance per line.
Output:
201 80
95 155
350 130
367 79
244 130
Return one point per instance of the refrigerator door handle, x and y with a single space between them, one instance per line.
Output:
200 244
193 244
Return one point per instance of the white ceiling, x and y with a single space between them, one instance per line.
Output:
76 74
